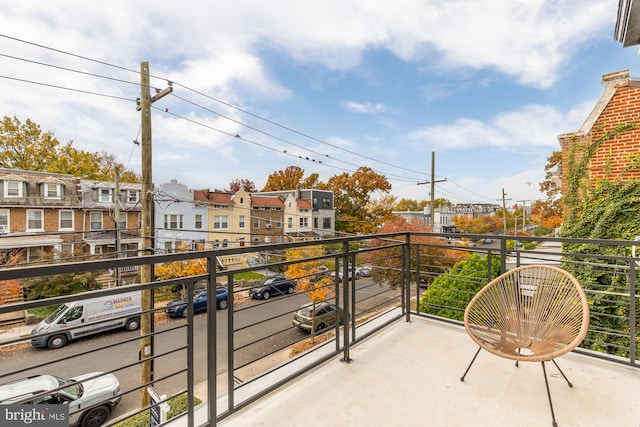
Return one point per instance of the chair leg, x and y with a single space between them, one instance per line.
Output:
469 367
546 382
565 377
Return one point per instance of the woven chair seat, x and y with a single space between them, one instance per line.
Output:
531 313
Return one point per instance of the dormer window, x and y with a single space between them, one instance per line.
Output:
52 191
12 189
133 196
104 195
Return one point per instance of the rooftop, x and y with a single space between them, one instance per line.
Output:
409 374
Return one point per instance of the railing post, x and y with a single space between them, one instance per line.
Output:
632 312
347 301
406 285
212 389
190 355
230 345
418 278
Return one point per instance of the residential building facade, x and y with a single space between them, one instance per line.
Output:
616 156
180 216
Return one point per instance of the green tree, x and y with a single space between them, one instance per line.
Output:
407 205
25 146
290 179
58 285
352 198
450 293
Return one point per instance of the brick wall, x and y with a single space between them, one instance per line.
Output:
615 155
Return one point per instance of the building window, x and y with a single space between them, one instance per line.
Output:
198 222
66 220
241 220
173 222
133 196
104 195
95 219
242 200
315 222
256 222
290 222
12 189
220 222
35 220
326 203
315 203
267 222
33 254
66 249
52 191
241 241
4 220
168 246
326 223
278 222
304 222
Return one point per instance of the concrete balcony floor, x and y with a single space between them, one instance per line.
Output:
408 374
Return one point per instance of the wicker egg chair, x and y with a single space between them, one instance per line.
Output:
533 313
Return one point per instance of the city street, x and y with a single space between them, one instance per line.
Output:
262 327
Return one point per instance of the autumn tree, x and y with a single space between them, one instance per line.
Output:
352 197
548 213
290 179
184 268
25 146
309 276
242 184
476 225
433 258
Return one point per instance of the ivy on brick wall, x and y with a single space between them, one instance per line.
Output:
603 209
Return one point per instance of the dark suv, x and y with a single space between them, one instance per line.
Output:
276 285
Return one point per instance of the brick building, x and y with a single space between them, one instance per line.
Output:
617 157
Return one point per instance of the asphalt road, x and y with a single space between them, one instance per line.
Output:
262 327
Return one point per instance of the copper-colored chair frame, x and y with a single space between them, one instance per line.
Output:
532 313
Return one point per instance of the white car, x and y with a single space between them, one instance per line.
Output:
350 272
91 397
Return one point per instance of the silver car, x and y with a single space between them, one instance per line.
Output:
91 397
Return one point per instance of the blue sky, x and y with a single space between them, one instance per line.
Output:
487 85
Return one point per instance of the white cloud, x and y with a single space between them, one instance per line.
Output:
365 108
523 129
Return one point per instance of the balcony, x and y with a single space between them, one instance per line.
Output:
389 365
409 374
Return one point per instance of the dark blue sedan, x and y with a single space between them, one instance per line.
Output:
179 307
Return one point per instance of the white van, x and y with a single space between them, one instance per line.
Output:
81 318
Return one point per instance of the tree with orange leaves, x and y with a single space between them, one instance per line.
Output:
310 278
432 258
186 268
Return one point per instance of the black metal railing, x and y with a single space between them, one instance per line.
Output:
232 356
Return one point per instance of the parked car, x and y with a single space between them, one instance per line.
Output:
275 285
179 307
365 271
351 272
321 272
91 398
325 316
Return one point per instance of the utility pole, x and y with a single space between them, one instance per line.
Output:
432 204
504 212
146 270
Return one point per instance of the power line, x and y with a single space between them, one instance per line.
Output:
88 92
